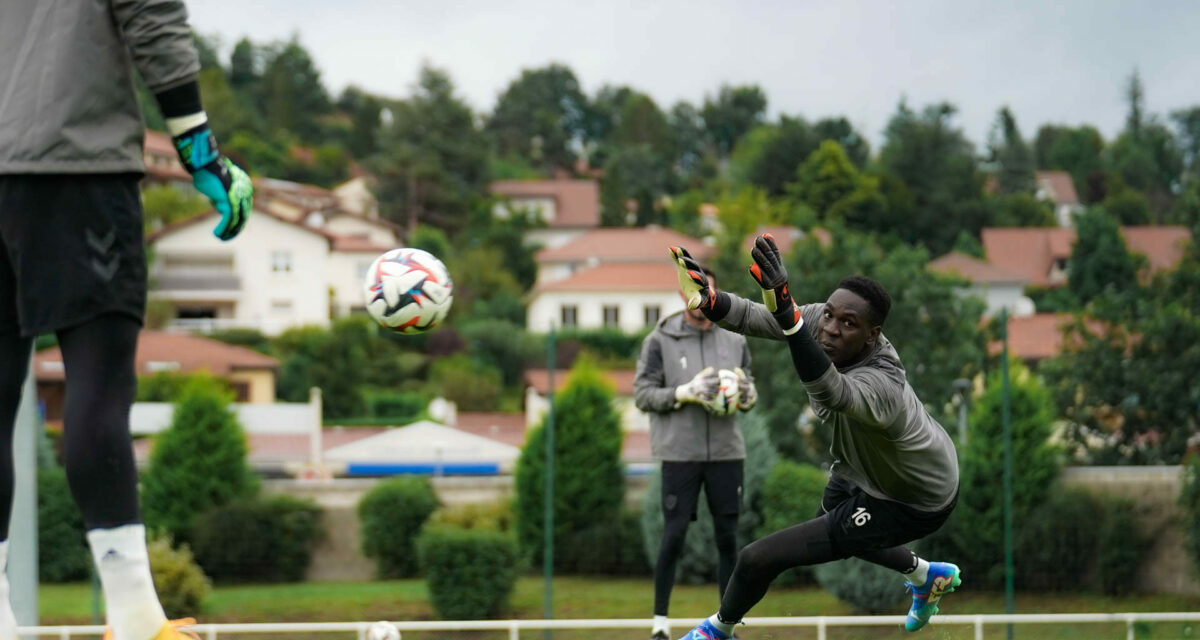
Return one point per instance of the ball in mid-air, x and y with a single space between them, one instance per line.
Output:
727 399
408 290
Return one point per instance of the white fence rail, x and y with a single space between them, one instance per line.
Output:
515 627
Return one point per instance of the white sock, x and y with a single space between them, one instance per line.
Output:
660 624
131 604
8 619
919 575
724 627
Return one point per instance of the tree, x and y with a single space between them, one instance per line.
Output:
769 155
978 531
842 132
601 119
640 122
826 177
693 154
934 328
366 112
292 96
1145 156
225 112
937 165
198 463
588 482
1014 161
1187 122
1099 260
245 65
635 178
540 116
163 204
1020 210
206 50
433 165
1074 150
733 112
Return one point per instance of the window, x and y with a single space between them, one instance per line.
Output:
281 262
281 307
570 315
651 313
612 315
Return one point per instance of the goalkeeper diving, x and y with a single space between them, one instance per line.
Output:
895 471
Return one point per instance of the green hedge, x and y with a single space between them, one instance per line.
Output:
391 515
471 573
258 540
1122 548
1055 546
867 587
791 495
181 584
608 547
62 546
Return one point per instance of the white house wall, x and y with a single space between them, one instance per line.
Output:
347 272
267 300
545 310
551 238
354 226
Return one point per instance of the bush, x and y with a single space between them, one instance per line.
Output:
197 464
979 518
791 495
471 385
611 548
1122 548
470 572
181 585
402 406
62 544
588 483
492 516
868 587
698 562
391 515
1189 504
258 540
166 386
1055 545
249 338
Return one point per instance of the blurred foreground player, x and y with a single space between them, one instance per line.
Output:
71 250
895 472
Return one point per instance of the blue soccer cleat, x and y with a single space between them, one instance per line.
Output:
705 631
943 578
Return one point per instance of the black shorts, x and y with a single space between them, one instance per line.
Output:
722 481
71 249
859 522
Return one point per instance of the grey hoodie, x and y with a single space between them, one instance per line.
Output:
884 440
67 102
672 355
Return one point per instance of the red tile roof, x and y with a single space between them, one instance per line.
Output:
577 202
355 244
1031 251
619 276
190 352
1038 336
508 428
1058 186
974 269
626 244
539 379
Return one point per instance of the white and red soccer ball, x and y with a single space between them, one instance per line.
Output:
408 290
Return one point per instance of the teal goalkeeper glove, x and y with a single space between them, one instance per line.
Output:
218 178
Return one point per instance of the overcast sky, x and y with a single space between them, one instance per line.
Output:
1050 61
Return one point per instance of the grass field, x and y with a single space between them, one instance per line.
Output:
577 597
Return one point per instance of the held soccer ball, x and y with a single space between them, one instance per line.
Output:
408 290
727 399
383 630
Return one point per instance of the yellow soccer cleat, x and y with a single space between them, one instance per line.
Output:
170 631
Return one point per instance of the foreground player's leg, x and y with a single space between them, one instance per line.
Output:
928 581
14 365
757 566
99 359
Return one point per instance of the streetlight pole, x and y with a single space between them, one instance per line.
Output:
962 387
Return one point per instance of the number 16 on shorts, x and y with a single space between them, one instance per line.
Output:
860 517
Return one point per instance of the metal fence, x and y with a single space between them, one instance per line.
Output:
515 627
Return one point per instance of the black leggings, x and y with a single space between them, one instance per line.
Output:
99 356
674 533
805 544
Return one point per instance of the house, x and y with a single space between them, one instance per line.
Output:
278 273
291 200
569 207
1059 188
1039 336
615 244
630 296
250 373
1041 255
999 287
355 195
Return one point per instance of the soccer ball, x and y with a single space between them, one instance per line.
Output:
383 630
408 290
728 398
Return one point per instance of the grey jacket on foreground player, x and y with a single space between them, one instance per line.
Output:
895 472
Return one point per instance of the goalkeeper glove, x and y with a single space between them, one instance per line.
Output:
746 390
701 388
770 274
693 283
218 178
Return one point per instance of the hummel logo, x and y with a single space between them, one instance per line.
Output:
860 516
106 271
111 554
101 245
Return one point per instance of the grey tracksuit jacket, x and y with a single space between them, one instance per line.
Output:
671 356
67 100
884 440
